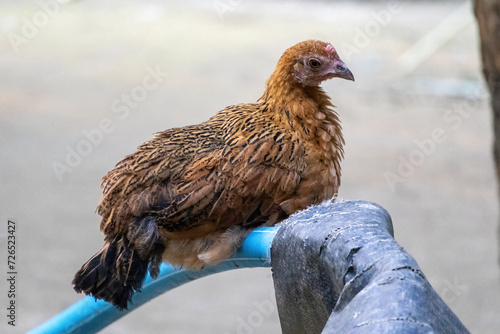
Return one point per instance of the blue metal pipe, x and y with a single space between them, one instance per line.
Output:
90 316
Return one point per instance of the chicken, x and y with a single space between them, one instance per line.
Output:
190 195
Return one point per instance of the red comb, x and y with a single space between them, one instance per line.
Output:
329 48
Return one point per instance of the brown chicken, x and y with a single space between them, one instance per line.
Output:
190 195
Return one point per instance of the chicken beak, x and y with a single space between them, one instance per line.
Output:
340 70
347 74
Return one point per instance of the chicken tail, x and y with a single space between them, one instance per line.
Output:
118 270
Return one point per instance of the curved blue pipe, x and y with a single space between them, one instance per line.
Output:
90 316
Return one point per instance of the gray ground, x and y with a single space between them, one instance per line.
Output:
418 97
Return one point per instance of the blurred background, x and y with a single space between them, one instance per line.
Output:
77 95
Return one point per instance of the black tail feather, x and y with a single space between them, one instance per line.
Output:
118 270
113 274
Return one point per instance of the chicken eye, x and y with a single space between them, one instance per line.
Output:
314 63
